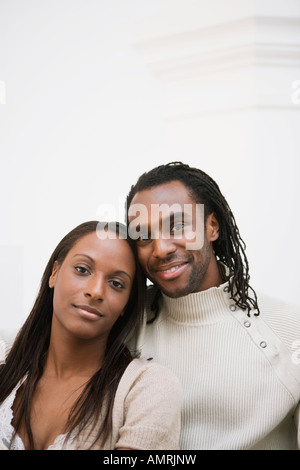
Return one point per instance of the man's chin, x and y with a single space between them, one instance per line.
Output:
174 291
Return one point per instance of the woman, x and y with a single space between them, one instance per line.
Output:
69 381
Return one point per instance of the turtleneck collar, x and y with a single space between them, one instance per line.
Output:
206 307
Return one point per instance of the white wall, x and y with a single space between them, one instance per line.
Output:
97 92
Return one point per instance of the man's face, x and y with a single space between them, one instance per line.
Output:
167 247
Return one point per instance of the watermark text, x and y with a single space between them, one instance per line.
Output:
178 222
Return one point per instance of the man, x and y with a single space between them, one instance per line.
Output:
236 354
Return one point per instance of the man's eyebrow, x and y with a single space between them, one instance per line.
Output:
172 217
179 215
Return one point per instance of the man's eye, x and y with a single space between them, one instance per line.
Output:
143 237
178 227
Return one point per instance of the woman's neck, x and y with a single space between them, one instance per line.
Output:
69 356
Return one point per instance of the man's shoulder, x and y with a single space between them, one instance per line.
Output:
276 308
283 318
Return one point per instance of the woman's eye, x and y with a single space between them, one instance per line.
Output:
117 284
81 269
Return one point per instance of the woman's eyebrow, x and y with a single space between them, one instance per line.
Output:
118 271
123 272
87 256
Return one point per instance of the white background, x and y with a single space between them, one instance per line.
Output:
93 99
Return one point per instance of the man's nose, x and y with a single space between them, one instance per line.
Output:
162 247
95 288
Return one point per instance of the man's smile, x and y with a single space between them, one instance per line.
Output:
172 270
172 273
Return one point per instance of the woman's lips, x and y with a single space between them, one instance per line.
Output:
88 312
171 272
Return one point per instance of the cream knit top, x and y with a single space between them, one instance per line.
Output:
240 374
146 414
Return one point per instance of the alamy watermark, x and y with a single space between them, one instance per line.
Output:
2 92
178 222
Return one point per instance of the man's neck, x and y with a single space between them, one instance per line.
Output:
214 277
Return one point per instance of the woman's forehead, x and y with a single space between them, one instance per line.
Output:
110 247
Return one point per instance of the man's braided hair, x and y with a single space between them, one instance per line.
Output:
229 248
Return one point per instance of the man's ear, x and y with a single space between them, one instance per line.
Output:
52 278
212 227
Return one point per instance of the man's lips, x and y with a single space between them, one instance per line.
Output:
172 270
88 312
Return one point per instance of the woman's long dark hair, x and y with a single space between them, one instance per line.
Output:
229 248
28 353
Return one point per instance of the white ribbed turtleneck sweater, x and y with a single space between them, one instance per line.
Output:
240 375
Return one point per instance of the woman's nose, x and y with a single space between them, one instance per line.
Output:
95 288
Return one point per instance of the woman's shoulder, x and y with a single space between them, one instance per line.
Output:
144 369
154 378
147 407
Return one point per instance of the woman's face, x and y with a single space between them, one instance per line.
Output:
92 286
